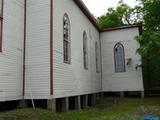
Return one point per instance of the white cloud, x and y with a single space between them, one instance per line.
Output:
99 7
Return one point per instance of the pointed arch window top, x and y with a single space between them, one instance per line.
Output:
119 58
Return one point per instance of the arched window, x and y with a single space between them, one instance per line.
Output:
119 58
66 39
85 50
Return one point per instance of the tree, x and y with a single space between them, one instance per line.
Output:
121 15
151 12
111 19
150 39
150 44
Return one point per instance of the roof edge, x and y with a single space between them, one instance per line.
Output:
86 11
93 20
138 25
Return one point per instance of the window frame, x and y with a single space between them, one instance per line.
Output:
1 25
85 51
115 58
66 42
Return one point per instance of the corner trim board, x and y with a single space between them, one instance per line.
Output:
24 47
1 34
51 47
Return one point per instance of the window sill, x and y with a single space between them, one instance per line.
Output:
67 62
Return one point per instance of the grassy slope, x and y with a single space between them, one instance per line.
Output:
120 109
28 114
108 109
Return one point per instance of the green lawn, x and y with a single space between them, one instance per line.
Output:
28 114
117 109
107 109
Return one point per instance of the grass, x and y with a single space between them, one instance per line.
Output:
107 109
27 114
116 109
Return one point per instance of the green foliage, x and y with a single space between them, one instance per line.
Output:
112 18
150 44
151 12
122 14
154 69
150 39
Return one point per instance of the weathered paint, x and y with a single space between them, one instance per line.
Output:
72 79
131 80
11 57
38 52
32 57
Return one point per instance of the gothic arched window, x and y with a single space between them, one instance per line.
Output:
85 50
119 58
66 39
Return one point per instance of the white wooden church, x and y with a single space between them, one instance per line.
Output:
55 50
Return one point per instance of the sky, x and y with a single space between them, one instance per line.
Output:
99 7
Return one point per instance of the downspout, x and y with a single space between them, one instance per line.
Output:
24 47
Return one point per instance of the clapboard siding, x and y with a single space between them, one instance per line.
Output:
68 79
131 80
72 79
37 82
11 57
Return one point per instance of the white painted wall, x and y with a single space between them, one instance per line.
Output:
72 79
69 79
131 80
11 59
37 82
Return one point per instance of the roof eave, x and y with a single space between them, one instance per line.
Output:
92 19
85 10
138 25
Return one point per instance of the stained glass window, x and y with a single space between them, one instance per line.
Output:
119 58
66 39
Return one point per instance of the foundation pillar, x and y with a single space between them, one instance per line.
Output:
94 99
102 94
78 103
51 105
84 101
97 96
142 94
22 104
122 94
65 105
